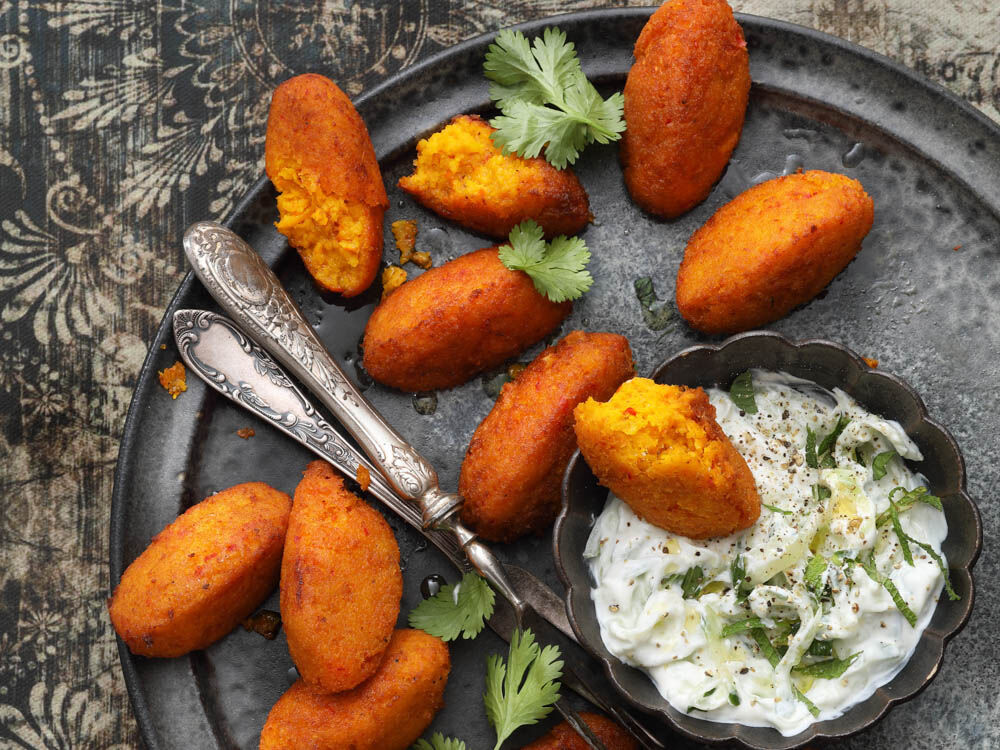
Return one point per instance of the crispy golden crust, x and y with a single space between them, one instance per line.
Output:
685 99
659 448
332 200
340 583
563 737
514 465
387 712
204 573
454 321
770 249
463 177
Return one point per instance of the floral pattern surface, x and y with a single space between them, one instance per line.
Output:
121 122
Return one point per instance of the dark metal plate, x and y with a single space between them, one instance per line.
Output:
929 313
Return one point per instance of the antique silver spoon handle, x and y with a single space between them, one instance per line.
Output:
219 353
247 289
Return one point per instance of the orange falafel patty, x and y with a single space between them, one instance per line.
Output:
454 321
564 737
461 175
389 711
340 583
331 199
659 448
514 465
204 573
685 101
770 249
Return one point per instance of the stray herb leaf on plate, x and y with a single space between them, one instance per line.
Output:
655 318
523 690
439 742
447 615
741 392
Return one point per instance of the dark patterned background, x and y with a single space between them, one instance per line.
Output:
122 121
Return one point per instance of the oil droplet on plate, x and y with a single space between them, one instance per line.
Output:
855 156
431 585
425 403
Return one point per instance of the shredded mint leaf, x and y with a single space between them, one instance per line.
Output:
448 616
691 585
811 461
907 499
524 690
830 669
741 392
813 709
880 463
439 742
814 573
830 441
767 649
886 583
545 100
558 269
900 534
742 626
821 492
941 565
820 648
859 456
738 572
655 318
734 698
776 509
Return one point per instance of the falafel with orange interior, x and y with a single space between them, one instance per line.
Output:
461 175
514 465
389 711
454 321
685 101
331 200
659 448
204 573
340 583
770 249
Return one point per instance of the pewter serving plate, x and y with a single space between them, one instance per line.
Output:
929 313
831 366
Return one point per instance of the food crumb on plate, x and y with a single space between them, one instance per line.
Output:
246 432
174 379
393 277
405 232
364 478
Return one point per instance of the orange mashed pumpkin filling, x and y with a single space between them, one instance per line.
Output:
330 233
659 448
461 175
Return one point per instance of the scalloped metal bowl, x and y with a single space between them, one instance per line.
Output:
830 365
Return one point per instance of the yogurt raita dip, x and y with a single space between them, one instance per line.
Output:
812 608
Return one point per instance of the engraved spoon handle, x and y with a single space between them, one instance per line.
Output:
251 294
247 289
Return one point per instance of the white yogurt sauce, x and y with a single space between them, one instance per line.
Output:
647 622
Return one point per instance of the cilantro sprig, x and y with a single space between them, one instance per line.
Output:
741 392
558 269
450 614
439 742
524 689
545 100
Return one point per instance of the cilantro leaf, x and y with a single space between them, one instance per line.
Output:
523 690
448 614
557 269
880 463
545 100
439 742
741 392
